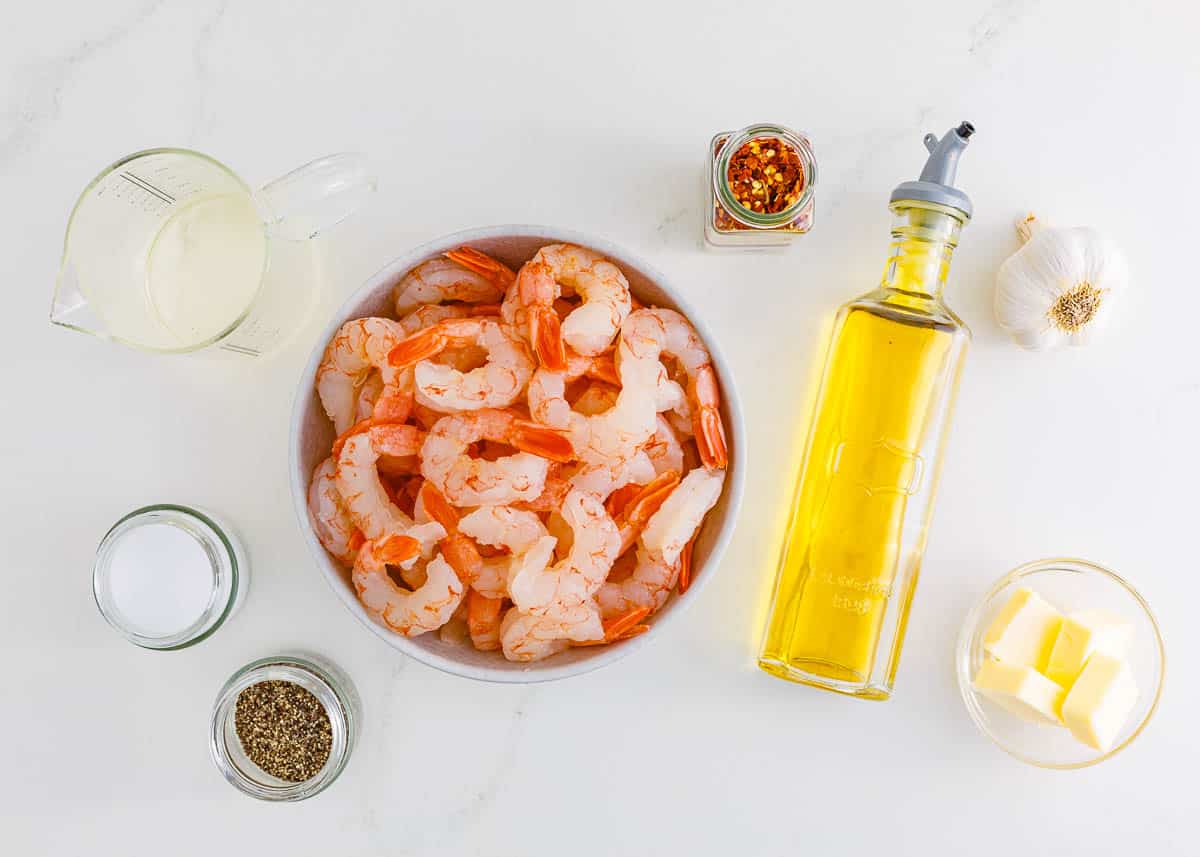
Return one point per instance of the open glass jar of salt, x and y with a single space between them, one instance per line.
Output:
166 576
283 727
760 187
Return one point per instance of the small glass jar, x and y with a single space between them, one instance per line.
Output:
332 688
216 587
730 225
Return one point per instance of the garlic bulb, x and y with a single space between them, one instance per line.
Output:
1059 288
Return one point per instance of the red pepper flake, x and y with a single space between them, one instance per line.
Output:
765 175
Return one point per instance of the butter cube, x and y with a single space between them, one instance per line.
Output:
1100 701
1024 631
1083 634
1021 690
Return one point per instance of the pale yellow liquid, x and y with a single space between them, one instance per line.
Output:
846 539
203 270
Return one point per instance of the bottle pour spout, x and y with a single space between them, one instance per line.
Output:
936 183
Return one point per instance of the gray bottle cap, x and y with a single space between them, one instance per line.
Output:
937 179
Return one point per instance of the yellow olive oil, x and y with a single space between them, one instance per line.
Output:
854 541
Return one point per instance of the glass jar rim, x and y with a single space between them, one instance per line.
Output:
337 697
221 552
720 177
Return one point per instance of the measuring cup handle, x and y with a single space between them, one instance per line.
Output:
316 196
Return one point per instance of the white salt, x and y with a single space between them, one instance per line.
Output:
160 579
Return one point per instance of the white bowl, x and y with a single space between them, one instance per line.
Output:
312 435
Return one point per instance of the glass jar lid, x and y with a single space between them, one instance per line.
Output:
729 201
166 576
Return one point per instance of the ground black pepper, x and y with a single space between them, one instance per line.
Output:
284 730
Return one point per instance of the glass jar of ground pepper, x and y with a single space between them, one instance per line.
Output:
760 187
283 727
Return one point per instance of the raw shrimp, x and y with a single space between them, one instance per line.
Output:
514 530
555 489
407 613
464 275
486 576
530 638
547 394
608 438
641 506
612 437
589 329
674 524
358 347
646 336
532 303
468 481
600 480
483 621
401 403
368 395
365 496
596 399
427 315
662 545
648 586
565 590
496 384
664 449
524 637
327 513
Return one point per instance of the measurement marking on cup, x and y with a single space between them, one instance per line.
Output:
146 186
240 349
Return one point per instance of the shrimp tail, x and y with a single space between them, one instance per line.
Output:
545 332
685 566
651 496
642 505
621 627
420 346
538 439
615 629
619 499
437 506
603 368
397 549
706 422
483 265
483 621
458 549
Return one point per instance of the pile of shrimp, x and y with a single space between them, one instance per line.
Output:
523 459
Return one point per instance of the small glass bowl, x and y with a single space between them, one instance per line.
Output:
1069 585
332 688
224 554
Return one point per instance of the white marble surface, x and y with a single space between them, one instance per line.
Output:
597 119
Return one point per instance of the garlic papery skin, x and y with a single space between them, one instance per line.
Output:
1059 288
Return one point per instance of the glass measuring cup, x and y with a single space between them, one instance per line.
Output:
168 250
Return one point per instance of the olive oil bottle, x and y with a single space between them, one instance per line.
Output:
858 527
